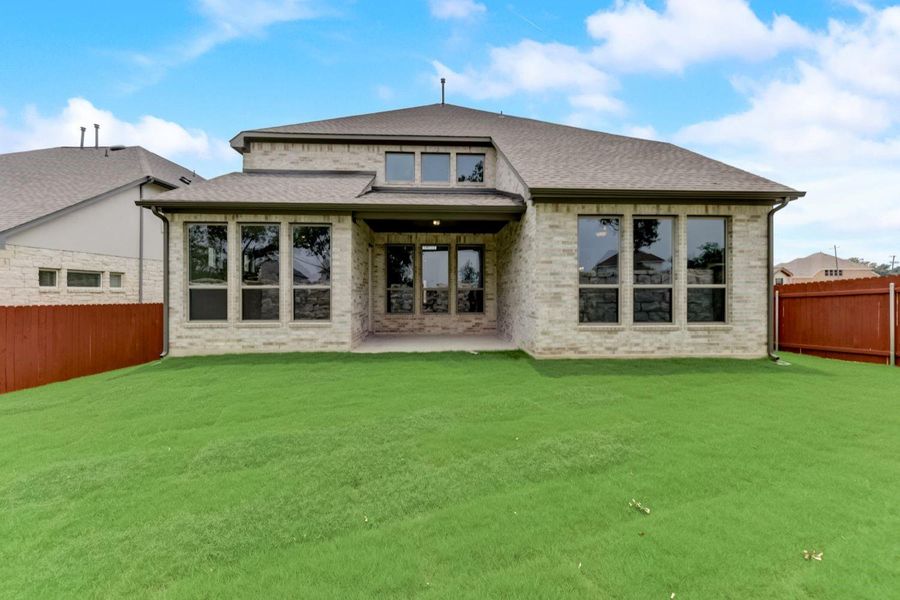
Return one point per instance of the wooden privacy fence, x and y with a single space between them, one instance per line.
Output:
42 344
849 319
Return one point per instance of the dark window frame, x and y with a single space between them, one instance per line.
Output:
244 287
602 286
464 181
481 257
387 155
312 286
726 275
206 286
670 286
388 287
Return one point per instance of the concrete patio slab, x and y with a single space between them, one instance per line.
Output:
433 343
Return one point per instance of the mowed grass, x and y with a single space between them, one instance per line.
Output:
453 476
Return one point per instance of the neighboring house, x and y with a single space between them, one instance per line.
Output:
70 232
447 220
821 267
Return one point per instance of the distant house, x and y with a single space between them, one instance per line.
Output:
70 232
444 220
820 267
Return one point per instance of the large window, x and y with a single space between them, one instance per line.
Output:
399 166
469 279
83 279
435 167
312 272
400 279
706 269
435 279
598 270
207 272
653 270
259 272
470 168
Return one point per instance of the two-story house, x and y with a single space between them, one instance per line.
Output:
442 219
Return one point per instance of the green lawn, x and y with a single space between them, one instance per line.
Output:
453 476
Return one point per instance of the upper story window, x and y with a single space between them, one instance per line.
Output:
435 167
470 168
259 272
400 166
116 280
834 272
653 255
598 269
706 247
207 272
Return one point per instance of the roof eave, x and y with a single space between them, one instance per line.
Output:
330 207
680 196
240 142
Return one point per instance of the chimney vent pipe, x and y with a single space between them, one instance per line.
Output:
83 129
96 135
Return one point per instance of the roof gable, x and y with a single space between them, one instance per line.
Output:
546 155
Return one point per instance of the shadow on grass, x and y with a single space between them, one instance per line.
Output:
554 368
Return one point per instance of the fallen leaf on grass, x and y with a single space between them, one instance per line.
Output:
812 555
639 507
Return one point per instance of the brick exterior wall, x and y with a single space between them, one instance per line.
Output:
361 157
420 322
556 287
284 335
19 277
362 243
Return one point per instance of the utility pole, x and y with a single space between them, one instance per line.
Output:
893 260
835 258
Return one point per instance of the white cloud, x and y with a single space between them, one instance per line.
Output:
167 138
634 37
384 92
832 128
455 9
536 68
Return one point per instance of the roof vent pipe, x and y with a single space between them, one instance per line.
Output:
96 135
83 129
443 81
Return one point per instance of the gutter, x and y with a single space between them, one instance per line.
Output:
162 217
141 245
770 286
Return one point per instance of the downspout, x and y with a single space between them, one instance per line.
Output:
141 246
770 324
165 221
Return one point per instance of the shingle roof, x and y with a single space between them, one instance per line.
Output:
812 264
347 190
37 183
547 155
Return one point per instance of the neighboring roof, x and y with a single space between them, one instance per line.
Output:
784 270
38 183
812 264
334 190
547 156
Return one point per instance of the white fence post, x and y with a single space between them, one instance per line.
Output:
777 316
892 311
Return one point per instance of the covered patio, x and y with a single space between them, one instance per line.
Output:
384 342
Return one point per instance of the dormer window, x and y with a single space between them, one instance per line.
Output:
435 167
470 168
400 166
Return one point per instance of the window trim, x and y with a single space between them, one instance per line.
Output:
618 286
240 264
404 153
97 287
484 176
455 283
56 281
388 287
671 286
716 286
422 179
121 286
207 286
421 284
301 286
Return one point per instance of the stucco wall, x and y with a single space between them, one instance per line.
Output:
284 335
19 267
556 288
360 157
420 322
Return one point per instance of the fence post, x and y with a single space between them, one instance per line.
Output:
893 332
777 314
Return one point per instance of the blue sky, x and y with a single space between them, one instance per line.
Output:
807 93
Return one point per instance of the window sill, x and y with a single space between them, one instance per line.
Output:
117 290
655 327
84 290
310 324
259 324
48 290
710 327
600 327
205 324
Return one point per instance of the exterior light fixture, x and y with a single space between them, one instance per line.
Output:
436 222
